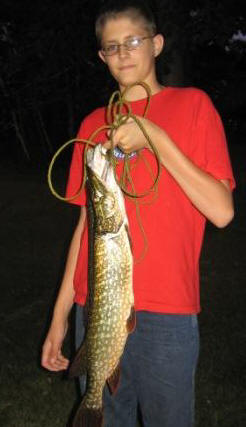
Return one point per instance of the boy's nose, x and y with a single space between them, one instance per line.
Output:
122 51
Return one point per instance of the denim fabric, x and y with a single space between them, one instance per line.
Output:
157 372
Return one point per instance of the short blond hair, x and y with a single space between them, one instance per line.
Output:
134 10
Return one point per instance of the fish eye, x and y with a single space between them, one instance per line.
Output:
109 203
97 196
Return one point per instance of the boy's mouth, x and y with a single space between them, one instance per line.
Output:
126 67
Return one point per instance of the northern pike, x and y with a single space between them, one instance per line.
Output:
111 314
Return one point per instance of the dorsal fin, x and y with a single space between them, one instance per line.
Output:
129 237
131 321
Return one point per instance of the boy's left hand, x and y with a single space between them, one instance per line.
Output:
129 137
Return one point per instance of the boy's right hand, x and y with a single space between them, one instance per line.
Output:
52 357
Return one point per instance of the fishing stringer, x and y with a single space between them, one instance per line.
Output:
115 119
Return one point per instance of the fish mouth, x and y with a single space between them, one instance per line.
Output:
100 167
105 194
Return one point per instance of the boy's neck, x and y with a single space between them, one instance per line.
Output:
138 92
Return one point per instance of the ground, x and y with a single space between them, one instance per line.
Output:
35 232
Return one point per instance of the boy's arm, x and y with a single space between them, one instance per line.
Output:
211 197
52 357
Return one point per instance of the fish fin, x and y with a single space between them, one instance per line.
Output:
86 417
114 379
131 321
129 237
91 221
79 364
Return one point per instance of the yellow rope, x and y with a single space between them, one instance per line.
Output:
115 119
58 152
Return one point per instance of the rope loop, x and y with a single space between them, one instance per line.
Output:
115 118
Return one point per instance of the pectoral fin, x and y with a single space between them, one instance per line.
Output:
114 379
79 364
131 321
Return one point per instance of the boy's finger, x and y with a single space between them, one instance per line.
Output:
111 132
108 144
54 353
56 365
62 359
51 366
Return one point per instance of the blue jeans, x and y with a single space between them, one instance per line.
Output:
157 372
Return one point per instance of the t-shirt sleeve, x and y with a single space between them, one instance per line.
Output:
76 171
212 151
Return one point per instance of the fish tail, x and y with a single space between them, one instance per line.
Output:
86 417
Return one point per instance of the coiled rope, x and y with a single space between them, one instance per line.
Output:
115 119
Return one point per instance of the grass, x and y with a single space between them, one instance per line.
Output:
35 234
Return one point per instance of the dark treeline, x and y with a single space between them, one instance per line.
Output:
51 77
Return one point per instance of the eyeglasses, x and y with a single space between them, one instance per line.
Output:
130 44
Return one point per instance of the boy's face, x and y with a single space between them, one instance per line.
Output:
129 66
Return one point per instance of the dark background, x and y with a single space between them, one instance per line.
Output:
50 78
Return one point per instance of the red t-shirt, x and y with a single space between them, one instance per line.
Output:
166 280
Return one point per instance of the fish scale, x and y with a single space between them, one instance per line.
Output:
111 314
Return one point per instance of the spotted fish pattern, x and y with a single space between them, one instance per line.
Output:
111 315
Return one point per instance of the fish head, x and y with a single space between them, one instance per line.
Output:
105 193
108 217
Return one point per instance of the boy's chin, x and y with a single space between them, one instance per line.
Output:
123 83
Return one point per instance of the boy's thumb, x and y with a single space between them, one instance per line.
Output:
107 144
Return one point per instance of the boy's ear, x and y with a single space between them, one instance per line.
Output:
159 43
101 56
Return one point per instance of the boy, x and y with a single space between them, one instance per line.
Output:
159 361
